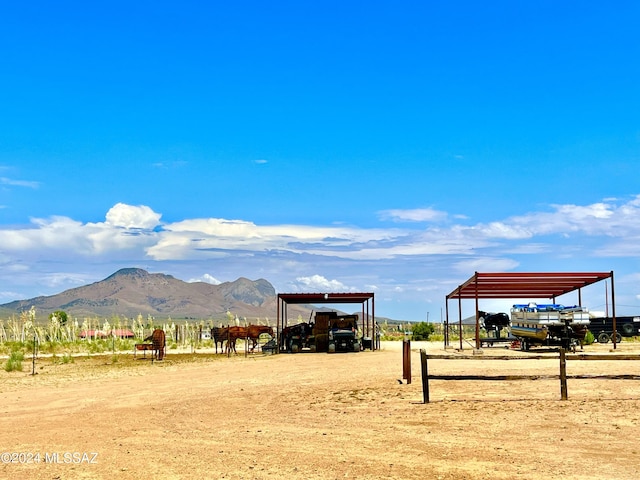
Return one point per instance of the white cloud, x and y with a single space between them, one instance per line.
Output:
318 283
207 279
413 215
400 262
128 216
19 183
485 264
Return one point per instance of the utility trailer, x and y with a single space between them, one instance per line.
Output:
491 341
602 328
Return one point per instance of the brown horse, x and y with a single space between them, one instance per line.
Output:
220 335
252 332
233 334
159 341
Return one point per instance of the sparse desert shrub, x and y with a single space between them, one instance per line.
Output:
14 362
65 358
589 338
97 346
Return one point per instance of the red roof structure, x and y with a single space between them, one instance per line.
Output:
517 285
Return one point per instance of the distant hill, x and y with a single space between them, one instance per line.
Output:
133 291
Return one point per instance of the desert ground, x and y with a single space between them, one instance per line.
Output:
320 416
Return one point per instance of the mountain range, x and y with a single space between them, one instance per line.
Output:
130 292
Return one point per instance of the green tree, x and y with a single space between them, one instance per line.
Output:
60 315
422 330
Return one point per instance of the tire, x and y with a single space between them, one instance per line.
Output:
356 347
618 337
603 337
627 329
332 348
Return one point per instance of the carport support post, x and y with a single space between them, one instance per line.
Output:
425 376
563 374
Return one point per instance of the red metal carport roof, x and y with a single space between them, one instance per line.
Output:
325 297
533 285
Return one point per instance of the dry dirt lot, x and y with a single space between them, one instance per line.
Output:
318 416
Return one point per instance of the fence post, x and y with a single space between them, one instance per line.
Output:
425 376
406 360
563 375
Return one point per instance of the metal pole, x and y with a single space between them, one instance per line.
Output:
460 320
477 319
278 326
613 311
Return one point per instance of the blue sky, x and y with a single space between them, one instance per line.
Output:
324 146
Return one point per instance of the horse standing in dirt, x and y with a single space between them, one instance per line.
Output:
252 332
158 340
233 334
220 335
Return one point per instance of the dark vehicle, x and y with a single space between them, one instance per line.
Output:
602 328
343 332
298 338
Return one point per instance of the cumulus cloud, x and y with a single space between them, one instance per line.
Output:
207 279
318 283
129 216
127 228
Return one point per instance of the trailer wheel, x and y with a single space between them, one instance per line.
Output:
618 337
332 348
603 337
627 329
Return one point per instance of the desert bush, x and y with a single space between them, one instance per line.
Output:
589 338
422 331
14 362
67 358
14 346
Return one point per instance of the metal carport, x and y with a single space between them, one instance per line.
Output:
367 301
516 285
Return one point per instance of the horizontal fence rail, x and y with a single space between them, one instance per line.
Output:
563 357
